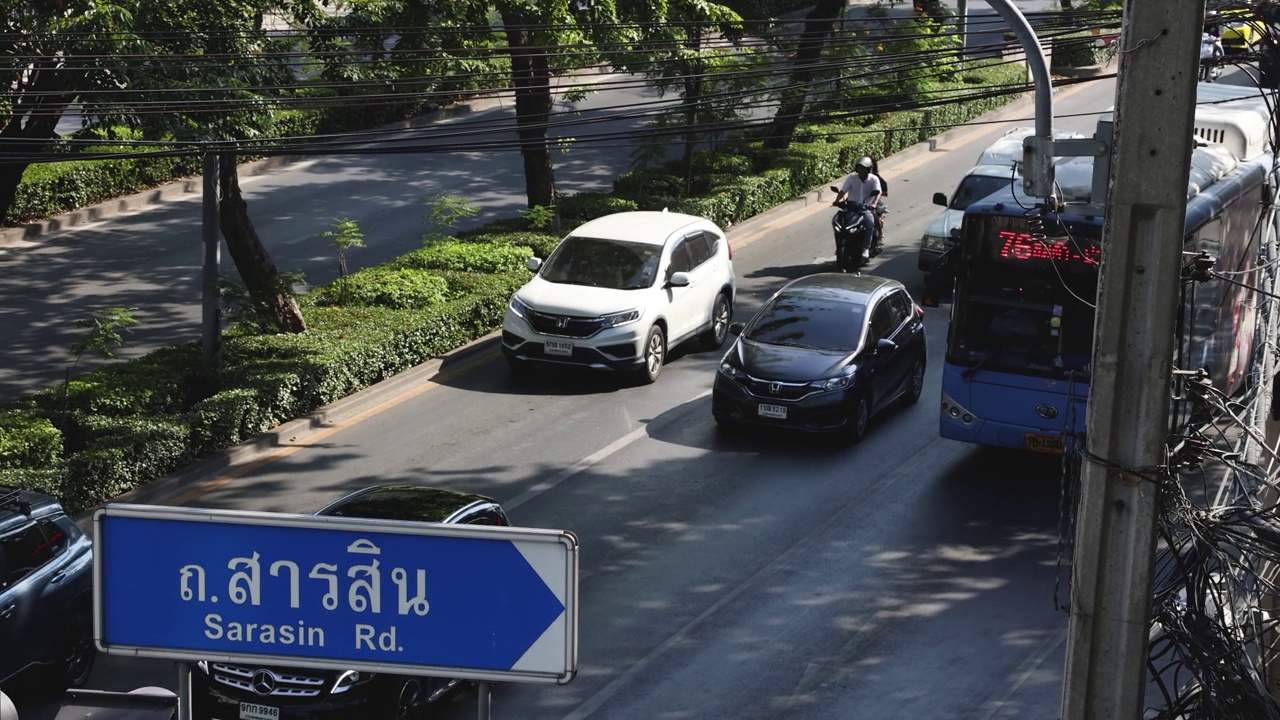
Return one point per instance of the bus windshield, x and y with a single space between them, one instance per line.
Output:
1023 301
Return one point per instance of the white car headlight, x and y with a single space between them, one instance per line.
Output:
519 307
621 318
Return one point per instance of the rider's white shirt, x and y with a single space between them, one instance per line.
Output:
860 190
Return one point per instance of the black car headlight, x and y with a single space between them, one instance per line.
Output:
350 679
519 307
839 382
728 370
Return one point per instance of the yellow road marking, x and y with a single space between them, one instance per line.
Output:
313 438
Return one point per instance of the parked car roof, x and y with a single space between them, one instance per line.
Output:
18 506
645 226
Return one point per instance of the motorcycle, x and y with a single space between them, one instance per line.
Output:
853 233
1211 57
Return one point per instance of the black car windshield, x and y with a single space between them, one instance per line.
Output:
819 323
613 264
975 187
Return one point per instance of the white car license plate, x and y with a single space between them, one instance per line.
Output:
559 347
778 412
254 711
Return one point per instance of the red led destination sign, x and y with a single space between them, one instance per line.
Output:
1022 246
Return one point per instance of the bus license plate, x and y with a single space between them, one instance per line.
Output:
777 412
559 347
1049 444
254 711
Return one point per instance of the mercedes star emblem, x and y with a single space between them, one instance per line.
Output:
264 683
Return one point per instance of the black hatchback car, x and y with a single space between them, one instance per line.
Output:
46 594
223 691
824 354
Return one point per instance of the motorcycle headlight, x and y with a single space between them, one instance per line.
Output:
519 307
729 371
348 680
622 318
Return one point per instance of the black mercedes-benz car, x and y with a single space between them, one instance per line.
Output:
824 354
222 691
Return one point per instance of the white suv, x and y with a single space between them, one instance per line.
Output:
622 289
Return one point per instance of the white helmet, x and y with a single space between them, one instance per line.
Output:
863 161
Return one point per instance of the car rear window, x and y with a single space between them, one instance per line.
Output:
817 323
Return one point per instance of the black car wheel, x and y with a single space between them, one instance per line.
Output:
80 656
721 314
655 353
410 701
859 419
915 384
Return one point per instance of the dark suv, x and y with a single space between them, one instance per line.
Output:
46 594
224 691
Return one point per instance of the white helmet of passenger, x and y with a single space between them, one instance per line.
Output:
864 162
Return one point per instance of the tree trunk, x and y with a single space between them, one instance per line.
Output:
531 78
261 278
818 26
694 79
30 126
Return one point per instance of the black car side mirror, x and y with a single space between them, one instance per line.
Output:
886 345
940 199
735 328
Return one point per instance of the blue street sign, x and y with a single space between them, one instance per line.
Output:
465 601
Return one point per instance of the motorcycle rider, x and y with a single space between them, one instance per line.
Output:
863 187
1211 53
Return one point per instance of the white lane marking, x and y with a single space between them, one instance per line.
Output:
588 461
909 469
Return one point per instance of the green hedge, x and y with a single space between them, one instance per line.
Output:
472 256
578 208
400 288
113 429
28 440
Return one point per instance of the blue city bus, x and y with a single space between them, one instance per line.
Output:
1020 341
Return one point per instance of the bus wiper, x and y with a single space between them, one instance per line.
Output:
970 371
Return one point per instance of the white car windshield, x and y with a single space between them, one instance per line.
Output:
615 264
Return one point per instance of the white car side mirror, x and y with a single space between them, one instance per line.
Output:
680 279
534 263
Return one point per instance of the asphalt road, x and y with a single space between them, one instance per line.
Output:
738 576
150 260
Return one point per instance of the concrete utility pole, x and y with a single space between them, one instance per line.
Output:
1128 412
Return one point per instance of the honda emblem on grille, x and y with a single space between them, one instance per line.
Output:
562 323
775 387
1048 412
264 683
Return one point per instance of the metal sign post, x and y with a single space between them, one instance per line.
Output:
379 596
